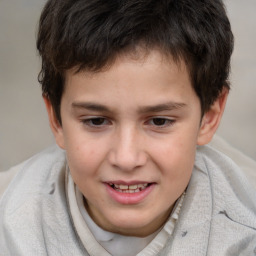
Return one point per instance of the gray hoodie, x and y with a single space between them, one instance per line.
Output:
218 214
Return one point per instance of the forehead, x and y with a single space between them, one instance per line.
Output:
136 55
141 76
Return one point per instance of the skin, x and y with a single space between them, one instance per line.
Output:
138 121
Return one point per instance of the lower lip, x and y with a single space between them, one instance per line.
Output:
129 198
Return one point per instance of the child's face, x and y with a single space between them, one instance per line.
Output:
136 124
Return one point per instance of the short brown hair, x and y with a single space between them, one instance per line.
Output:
89 34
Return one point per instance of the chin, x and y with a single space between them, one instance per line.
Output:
134 225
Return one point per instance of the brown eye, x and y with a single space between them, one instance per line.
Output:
160 121
95 122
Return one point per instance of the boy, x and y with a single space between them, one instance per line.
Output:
133 90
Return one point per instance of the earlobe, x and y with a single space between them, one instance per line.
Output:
54 123
211 119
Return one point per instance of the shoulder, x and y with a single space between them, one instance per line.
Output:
7 176
227 164
39 164
218 215
226 177
33 175
233 199
246 164
33 207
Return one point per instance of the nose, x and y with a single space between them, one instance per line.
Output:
127 151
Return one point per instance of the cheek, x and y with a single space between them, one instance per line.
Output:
178 148
175 157
84 164
83 159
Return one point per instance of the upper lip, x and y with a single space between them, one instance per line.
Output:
128 183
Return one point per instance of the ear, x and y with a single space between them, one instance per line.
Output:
211 119
54 123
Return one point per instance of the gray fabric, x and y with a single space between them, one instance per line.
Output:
247 164
218 216
34 216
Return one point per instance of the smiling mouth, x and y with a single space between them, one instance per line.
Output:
129 188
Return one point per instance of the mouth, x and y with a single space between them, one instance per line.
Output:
129 193
130 189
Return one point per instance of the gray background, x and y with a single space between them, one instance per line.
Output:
24 128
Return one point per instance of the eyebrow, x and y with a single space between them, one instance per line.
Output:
91 106
169 106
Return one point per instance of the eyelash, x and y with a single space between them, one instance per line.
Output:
89 122
102 122
166 122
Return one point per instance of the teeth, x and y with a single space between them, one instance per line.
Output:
129 189
133 187
123 187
